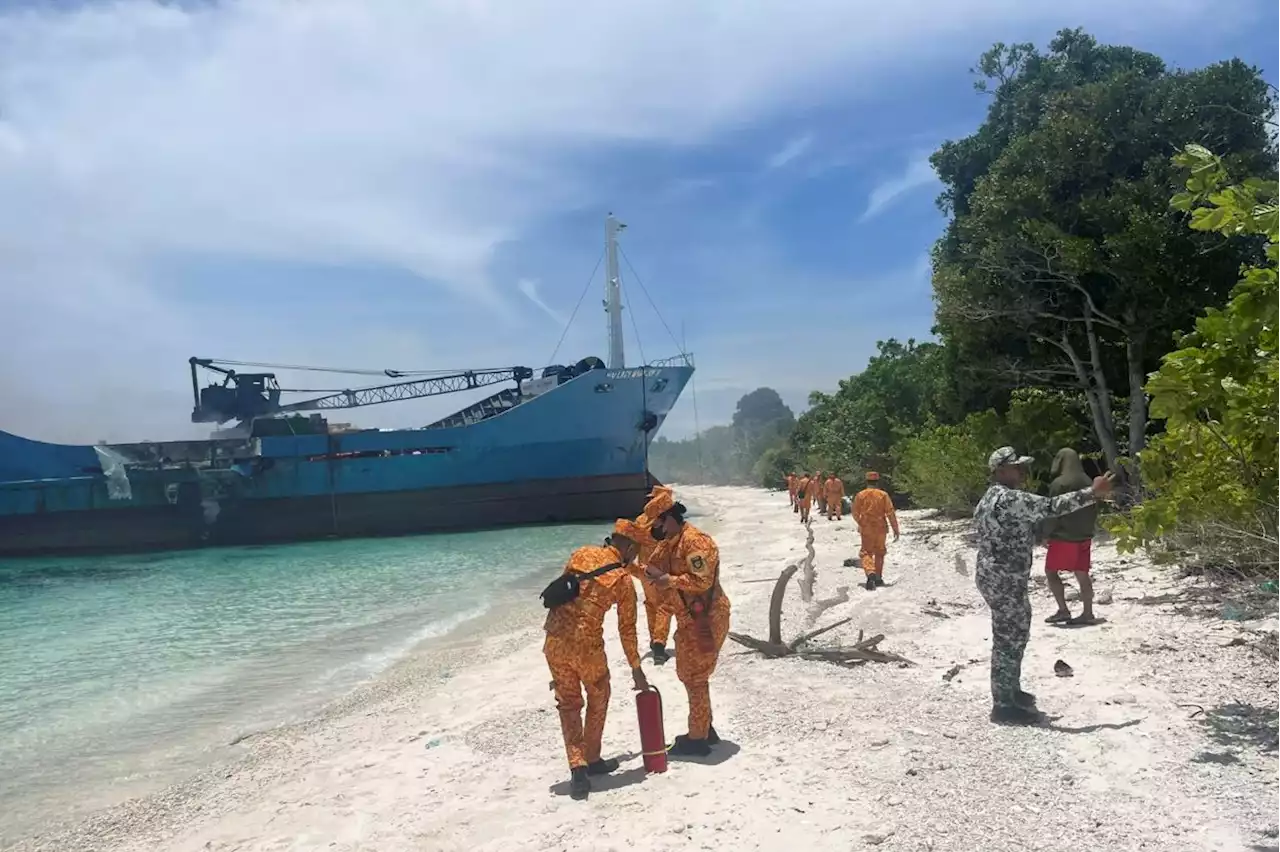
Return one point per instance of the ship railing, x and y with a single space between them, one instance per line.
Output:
683 360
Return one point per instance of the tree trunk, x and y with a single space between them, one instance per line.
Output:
1137 408
1099 405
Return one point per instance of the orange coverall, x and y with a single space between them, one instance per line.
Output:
692 561
791 488
574 649
835 497
873 513
658 619
819 495
804 493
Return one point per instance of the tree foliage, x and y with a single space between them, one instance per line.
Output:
903 388
1062 258
1213 473
945 466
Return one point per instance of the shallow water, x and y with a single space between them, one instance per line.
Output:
118 674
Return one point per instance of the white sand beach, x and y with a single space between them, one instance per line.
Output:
1162 739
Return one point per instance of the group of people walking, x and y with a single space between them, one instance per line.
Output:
678 566
872 509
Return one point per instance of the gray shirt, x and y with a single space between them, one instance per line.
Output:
1006 521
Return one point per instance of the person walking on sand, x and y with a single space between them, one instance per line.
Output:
1070 541
804 496
874 514
687 567
835 498
658 619
819 495
574 649
792 479
1006 520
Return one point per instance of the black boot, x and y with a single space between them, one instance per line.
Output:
690 748
660 655
871 582
579 783
603 766
712 737
879 580
1008 714
1025 700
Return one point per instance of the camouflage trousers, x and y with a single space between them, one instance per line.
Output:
1010 602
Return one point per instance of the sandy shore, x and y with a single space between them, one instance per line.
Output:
1165 736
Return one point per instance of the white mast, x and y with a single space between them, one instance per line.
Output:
613 292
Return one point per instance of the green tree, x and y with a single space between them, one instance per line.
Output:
903 388
1062 262
761 421
1213 473
945 467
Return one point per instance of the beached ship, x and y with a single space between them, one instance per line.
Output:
562 443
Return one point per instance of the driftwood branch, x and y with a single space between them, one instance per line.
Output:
815 633
775 604
863 651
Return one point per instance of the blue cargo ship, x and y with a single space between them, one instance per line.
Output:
564 443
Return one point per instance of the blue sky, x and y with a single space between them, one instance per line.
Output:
376 183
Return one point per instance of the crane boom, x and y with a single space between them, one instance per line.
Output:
246 396
415 389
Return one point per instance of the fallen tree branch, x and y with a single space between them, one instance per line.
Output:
863 651
806 637
775 603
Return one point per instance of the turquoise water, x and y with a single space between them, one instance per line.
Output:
119 674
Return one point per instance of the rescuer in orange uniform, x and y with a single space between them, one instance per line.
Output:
874 514
804 496
819 494
574 649
661 498
835 498
791 491
687 567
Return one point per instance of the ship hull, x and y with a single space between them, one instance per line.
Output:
355 515
576 451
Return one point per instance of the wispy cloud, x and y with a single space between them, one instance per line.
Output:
529 287
411 143
795 148
917 174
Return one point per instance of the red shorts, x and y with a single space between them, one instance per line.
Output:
1068 556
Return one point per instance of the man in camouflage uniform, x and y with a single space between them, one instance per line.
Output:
1006 520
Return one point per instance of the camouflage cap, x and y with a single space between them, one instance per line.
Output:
1007 456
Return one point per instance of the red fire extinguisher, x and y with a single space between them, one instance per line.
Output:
653 742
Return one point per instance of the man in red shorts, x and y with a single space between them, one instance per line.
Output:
1070 540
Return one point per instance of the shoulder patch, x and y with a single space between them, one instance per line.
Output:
697 562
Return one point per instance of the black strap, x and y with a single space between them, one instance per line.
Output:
598 571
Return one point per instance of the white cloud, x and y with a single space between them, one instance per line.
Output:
529 287
418 137
794 148
917 174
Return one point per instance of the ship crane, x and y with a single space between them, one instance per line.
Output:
247 396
